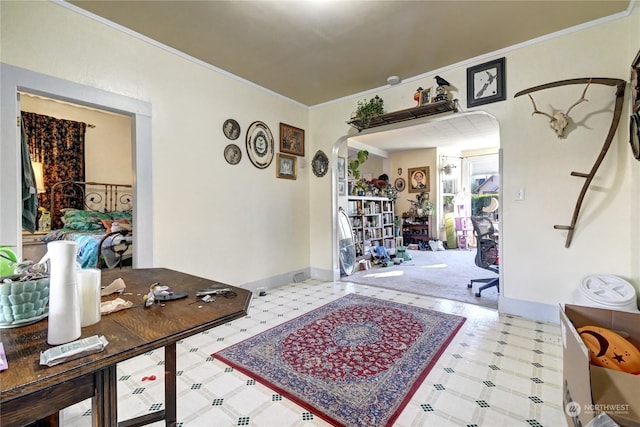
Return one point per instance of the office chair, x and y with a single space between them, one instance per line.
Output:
486 252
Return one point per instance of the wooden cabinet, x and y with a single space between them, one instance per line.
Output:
372 221
415 229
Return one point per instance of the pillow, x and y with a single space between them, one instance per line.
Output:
116 224
79 220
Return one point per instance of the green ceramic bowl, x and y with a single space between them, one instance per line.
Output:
23 303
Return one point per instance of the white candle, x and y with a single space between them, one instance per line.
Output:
89 295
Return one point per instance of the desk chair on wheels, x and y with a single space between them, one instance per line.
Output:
486 253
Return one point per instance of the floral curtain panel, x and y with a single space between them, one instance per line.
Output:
59 146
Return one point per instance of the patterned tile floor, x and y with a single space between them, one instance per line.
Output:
498 371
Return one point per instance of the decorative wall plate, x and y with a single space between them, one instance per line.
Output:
232 154
320 163
259 145
400 184
231 129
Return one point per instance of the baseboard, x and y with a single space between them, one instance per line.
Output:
277 281
529 310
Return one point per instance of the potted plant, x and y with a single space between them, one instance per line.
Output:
354 164
422 205
367 110
360 187
8 258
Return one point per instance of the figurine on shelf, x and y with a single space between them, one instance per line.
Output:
441 91
418 95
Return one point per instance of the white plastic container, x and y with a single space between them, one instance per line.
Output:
607 291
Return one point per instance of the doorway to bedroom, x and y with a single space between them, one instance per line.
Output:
62 153
16 80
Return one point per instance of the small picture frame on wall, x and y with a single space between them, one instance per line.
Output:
287 166
291 140
231 129
418 179
342 168
342 188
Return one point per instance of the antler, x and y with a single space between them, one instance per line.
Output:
582 98
536 111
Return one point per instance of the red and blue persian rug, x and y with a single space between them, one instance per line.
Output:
353 362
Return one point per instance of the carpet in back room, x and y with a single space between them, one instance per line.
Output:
443 274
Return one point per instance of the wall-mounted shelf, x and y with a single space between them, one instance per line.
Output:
407 114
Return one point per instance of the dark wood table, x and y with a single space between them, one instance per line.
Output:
31 392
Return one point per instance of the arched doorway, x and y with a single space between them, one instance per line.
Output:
476 135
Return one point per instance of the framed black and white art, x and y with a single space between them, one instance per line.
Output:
486 83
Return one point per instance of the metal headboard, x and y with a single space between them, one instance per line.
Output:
95 196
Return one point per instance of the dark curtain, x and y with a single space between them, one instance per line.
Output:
59 145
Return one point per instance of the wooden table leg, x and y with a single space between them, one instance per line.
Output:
170 394
104 404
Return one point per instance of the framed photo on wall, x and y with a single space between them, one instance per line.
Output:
342 188
291 140
342 168
286 166
486 83
418 179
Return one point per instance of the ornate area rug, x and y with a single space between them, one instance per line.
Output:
353 362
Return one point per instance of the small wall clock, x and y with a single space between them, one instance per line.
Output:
486 83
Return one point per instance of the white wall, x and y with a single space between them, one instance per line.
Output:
237 224
536 265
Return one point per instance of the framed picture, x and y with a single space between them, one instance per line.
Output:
287 167
291 140
231 129
260 145
425 96
342 168
232 154
486 83
418 179
400 185
342 188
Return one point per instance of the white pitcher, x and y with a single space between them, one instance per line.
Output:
64 307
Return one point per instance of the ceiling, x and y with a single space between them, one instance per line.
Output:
318 51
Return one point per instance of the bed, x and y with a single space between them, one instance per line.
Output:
96 215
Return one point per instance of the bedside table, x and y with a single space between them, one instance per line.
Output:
33 248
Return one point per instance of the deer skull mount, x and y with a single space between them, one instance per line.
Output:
559 120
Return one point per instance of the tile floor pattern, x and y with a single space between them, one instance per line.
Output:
498 371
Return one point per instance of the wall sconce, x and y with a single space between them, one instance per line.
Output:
38 172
